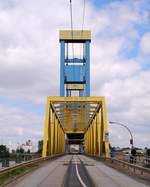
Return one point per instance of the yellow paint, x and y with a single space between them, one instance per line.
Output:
75 86
58 99
56 136
78 132
63 116
75 35
52 134
105 125
44 151
94 136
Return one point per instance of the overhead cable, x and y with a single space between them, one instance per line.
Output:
82 28
71 21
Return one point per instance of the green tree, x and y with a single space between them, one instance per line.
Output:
148 152
4 151
40 146
21 150
13 151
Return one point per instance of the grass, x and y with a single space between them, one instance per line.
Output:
18 171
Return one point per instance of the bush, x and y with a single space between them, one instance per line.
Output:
148 152
4 151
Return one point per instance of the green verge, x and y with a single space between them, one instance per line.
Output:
4 178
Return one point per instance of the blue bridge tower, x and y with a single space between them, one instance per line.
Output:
74 71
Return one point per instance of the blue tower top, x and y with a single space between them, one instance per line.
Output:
74 71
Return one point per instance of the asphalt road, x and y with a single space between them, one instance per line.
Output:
50 175
75 171
76 175
104 176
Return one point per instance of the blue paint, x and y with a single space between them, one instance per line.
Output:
75 60
81 148
62 58
74 73
81 93
87 67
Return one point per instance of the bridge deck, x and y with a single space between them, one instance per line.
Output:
75 170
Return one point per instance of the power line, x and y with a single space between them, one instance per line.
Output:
82 26
71 25
71 21
71 17
83 16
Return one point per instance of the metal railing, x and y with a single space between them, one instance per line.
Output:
141 160
17 158
124 163
25 163
132 166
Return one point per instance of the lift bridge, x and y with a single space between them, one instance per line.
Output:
75 117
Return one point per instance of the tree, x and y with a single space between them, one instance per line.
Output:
13 151
40 146
21 150
4 151
148 152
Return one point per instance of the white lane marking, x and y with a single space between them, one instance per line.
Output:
78 175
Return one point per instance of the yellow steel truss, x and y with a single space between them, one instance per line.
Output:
76 115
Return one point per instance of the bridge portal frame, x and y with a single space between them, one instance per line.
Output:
96 141
54 136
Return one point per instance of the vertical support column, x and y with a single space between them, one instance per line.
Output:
62 59
80 93
67 93
49 134
52 134
94 136
44 151
88 141
87 149
56 135
87 67
100 135
105 126
63 140
91 129
62 147
84 143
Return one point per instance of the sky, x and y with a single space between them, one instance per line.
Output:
29 64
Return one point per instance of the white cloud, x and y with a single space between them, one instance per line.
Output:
29 61
17 124
145 44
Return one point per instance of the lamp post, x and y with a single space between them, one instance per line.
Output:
123 125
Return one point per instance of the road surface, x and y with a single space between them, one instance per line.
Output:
75 171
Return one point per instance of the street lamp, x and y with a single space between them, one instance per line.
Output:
123 125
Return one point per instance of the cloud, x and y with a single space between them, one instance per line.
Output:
20 125
29 61
144 45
